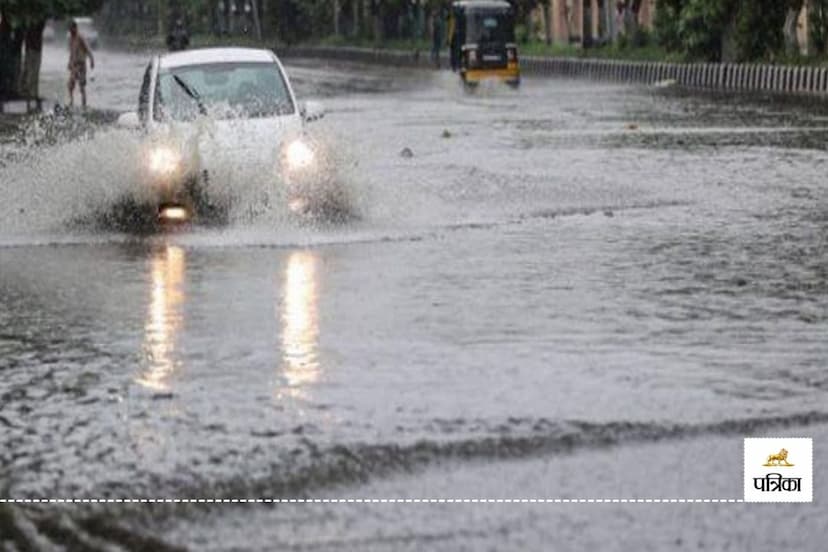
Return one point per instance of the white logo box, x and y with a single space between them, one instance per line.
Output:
779 481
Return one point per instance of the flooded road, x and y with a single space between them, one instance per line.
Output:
573 290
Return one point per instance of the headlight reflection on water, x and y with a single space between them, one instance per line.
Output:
300 321
298 313
164 317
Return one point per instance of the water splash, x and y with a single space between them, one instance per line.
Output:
73 174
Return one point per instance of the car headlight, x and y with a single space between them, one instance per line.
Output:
299 155
164 160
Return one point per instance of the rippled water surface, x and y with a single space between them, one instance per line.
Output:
558 275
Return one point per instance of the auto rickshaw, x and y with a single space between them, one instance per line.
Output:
482 41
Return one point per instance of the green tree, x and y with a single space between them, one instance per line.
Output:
758 29
791 18
701 28
30 10
666 24
713 30
523 16
818 20
291 20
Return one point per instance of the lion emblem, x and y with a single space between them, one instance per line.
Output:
780 459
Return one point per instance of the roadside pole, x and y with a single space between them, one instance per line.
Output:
256 21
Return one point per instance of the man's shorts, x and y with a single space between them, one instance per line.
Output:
78 74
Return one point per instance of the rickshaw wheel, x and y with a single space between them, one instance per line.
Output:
469 86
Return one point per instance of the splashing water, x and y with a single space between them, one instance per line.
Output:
68 174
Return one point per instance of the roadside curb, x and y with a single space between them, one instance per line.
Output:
746 77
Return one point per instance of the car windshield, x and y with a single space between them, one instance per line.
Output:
490 26
223 90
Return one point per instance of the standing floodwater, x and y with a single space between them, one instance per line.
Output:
571 290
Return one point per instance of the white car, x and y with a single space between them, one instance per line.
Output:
205 110
49 31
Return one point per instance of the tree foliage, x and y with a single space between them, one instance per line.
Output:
819 24
292 19
666 24
701 27
758 28
709 29
25 11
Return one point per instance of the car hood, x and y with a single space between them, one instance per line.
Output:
225 144
247 141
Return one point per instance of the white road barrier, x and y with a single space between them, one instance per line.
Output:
799 80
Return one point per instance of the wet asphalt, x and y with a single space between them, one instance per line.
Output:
551 274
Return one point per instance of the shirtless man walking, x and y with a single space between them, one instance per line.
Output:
78 52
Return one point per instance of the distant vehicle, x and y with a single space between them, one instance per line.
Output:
178 38
482 39
86 28
247 101
49 31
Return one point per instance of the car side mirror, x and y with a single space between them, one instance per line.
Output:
312 111
129 120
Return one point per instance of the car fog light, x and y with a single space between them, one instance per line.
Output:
174 214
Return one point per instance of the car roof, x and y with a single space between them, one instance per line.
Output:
201 56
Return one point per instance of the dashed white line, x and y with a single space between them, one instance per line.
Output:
371 500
